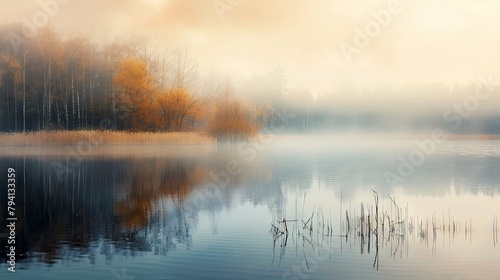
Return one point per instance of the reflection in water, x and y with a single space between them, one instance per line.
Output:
395 231
113 202
319 204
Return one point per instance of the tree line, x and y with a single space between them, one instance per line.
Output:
51 82
54 83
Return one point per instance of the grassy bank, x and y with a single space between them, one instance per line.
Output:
58 138
98 138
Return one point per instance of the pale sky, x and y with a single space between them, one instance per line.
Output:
427 41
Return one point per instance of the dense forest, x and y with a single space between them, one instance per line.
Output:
52 83
55 82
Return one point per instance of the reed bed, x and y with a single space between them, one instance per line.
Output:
96 137
373 227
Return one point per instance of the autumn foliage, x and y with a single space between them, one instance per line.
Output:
230 121
137 94
69 83
150 108
176 107
162 179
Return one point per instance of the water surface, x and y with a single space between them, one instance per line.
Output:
203 212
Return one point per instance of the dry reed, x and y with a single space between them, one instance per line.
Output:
95 137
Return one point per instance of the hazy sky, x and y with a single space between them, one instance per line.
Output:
428 40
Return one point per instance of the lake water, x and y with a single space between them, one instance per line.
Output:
219 212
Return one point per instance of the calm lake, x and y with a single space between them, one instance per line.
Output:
284 208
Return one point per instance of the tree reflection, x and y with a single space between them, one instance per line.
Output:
104 207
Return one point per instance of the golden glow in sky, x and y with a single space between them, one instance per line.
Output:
451 41
158 4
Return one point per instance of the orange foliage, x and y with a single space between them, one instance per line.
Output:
137 94
163 179
9 64
231 121
150 108
175 106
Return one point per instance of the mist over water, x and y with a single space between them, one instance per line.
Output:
260 139
185 216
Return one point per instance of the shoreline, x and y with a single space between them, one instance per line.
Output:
102 138
120 138
115 144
